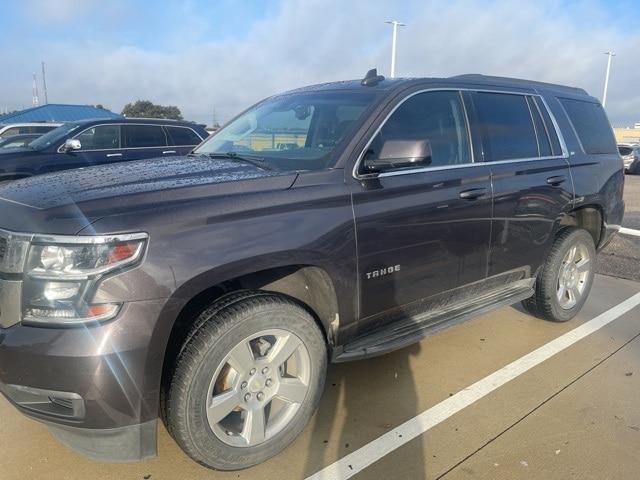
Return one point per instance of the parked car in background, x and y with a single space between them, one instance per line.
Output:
630 154
20 128
94 142
211 290
18 141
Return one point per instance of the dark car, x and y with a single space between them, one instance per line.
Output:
18 141
94 142
211 290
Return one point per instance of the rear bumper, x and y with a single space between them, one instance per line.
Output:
97 388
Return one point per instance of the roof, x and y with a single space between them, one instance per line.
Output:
54 112
390 84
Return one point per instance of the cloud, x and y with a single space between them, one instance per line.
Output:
301 42
47 12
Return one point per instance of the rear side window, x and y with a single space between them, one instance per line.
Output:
144 136
544 146
41 129
551 130
181 136
12 131
508 128
592 126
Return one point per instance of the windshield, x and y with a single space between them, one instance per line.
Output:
292 132
54 136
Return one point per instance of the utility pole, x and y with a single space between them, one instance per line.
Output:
395 25
44 86
35 100
610 55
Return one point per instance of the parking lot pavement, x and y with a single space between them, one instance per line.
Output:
528 417
596 437
621 258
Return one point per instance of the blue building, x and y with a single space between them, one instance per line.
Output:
53 112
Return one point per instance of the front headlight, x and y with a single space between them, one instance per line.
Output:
61 276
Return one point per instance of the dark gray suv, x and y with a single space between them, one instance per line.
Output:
327 224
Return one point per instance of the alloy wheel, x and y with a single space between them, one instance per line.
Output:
573 276
258 388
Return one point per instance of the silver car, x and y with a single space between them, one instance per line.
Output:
631 157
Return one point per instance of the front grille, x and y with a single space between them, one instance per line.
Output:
3 248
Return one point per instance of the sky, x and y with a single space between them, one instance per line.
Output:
217 57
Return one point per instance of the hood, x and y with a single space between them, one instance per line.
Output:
73 199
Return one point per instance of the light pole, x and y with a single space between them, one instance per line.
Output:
395 25
610 55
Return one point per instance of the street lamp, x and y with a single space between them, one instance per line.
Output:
395 24
610 54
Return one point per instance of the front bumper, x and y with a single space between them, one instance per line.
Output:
96 387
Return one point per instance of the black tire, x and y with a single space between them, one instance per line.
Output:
216 331
545 303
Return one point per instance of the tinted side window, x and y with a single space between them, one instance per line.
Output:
553 135
12 131
180 136
438 117
544 146
101 137
41 129
508 129
591 124
141 136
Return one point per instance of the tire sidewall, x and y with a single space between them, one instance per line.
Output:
552 270
209 449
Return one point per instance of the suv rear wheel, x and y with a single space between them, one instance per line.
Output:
564 281
247 380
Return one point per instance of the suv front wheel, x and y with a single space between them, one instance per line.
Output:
247 380
564 281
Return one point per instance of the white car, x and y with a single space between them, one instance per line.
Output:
20 128
630 154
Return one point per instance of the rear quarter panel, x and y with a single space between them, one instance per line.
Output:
598 180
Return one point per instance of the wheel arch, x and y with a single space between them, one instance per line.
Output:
310 286
588 217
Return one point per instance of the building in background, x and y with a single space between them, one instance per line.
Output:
59 113
627 134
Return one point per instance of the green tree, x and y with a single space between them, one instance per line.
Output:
147 109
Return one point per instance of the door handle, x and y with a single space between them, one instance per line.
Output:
473 193
557 180
167 152
109 155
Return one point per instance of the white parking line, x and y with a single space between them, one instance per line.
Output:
360 459
630 231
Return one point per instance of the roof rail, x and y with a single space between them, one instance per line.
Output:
518 81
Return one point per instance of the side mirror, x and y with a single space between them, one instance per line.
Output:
396 154
71 144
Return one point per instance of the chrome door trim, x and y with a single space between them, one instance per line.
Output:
134 148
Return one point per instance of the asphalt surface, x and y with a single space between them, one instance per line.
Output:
621 258
575 415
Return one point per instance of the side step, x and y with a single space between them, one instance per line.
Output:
408 330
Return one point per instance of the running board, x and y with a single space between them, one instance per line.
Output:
408 330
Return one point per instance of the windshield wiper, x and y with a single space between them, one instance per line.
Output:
255 161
